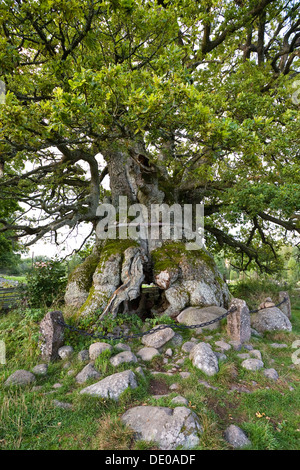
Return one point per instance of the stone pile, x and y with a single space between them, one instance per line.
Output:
168 427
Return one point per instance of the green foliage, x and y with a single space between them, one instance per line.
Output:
216 121
46 283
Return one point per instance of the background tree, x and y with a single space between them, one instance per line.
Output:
186 101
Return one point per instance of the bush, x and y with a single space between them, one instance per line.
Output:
46 283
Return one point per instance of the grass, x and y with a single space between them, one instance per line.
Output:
266 410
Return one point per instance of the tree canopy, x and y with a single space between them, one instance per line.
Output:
201 96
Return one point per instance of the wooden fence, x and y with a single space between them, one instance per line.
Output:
8 297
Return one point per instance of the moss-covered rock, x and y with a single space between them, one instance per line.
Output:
189 278
80 280
106 277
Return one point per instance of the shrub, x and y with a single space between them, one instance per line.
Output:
46 283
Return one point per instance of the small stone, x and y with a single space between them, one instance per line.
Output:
188 346
124 356
65 352
169 352
122 347
256 333
179 400
221 356
271 374
147 354
252 364
249 347
61 404
278 345
243 356
180 361
140 371
237 346
184 375
71 372
223 345
83 355
236 437
174 387
177 340
88 372
158 338
112 386
20 377
204 359
96 349
206 384
40 369
57 385
255 353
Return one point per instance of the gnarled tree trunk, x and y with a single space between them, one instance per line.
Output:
181 277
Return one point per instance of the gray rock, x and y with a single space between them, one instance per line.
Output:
83 355
270 319
236 437
255 333
169 428
88 372
252 364
20 377
51 335
122 347
271 374
112 386
96 349
57 385
174 387
146 354
177 340
196 316
65 352
221 356
278 345
243 356
206 384
188 346
184 375
223 345
140 371
158 338
204 359
40 369
124 356
62 404
179 400
169 352
255 353
237 346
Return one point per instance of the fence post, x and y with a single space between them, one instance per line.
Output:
238 322
51 335
286 307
